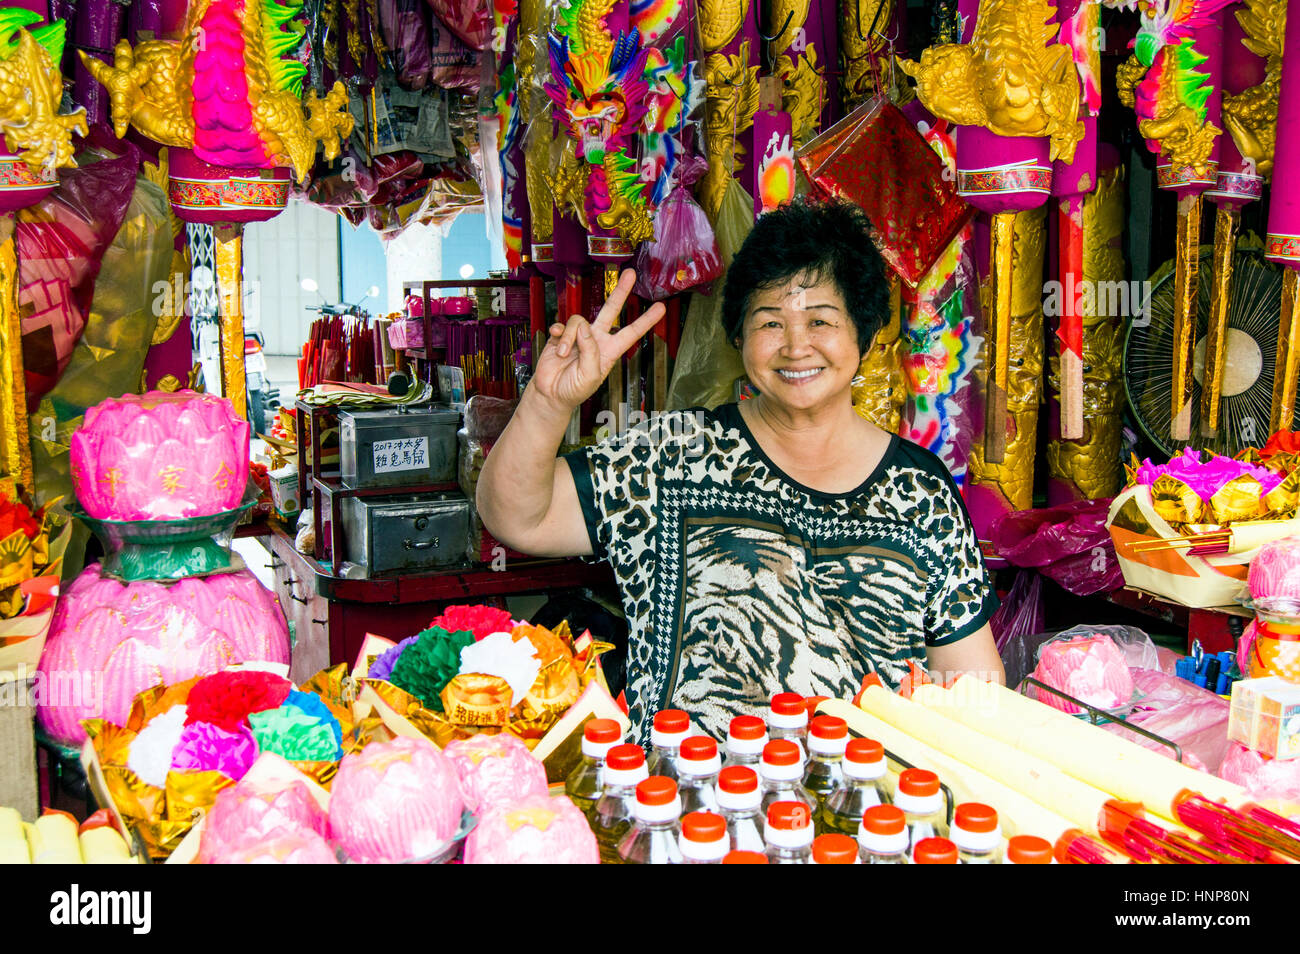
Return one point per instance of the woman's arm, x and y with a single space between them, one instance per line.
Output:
526 497
976 654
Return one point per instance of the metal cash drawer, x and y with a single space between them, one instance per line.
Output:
406 532
395 447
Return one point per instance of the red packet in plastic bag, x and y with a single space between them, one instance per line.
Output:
875 158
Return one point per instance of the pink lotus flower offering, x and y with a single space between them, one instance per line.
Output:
1275 571
160 456
495 770
395 802
251 813
537 830
283 848
1092 669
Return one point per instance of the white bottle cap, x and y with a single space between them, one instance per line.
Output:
700 767
704 850
658 813
863 771
667 740
626 777
883 844
788 837
975 840
739 801
597 750
919 804
826 746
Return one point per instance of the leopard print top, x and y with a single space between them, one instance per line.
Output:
739 582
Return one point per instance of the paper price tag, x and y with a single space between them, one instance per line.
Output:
411 453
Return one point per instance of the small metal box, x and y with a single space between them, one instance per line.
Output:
406 531
398 446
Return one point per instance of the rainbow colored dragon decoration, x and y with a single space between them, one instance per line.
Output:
674 95
228 89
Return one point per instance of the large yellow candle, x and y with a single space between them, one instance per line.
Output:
104 846
54 841
13 842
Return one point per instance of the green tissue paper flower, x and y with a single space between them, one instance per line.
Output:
291 733
427 665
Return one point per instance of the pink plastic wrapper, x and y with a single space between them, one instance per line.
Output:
253 812
110 641
683 253
1090 668
1177 710
1275 571
1262 778
160 456
537 830
495 770
284 848
1064 543
395 801
470 20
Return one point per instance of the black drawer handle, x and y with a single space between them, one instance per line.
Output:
427 545
276 563
296 598
320 622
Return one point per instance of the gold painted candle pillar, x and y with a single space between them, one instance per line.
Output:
229 255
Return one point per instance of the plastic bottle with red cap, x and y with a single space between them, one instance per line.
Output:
788 832
921 800
1028 850
781 771
828 738
745 858
787 718
740 801
934 851
862 787
746 736
698 765
652 839
976 833
625 769
835 849
671 728
587 781
703 839
882 836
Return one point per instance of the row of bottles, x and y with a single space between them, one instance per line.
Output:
830 806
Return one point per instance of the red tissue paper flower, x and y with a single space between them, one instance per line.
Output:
225 699
14 516
479 620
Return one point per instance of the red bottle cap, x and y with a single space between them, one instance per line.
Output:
834 849
698 748
918 782
934 851
602 730
656 790
972 816
788 703
624 757
738 779
781 752
1029 850
789 816
864 751
828 727
704 827
747 727
672 720
745 858
884 820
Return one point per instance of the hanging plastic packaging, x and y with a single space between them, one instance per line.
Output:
405 29
1070 544
683 253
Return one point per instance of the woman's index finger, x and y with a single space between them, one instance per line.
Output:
614 303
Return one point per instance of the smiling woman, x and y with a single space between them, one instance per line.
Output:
781 544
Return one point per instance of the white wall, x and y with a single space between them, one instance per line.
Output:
415 255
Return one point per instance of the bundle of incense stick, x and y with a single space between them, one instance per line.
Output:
484 350
1235 539
338 348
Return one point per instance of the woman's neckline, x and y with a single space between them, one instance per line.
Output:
733 410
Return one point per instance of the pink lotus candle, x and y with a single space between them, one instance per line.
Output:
537 830
252 812
495 770
160 456
1283 242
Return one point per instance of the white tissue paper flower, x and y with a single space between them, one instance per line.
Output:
150 756
499 655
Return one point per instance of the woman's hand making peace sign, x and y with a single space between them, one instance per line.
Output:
580 354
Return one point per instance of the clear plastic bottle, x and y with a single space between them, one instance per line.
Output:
782 773
625 768
977 835
828 737
703 839
834 849
788 833
1028 850
921 800
652 839
698 765
882 836
586 782
934 851
671 727
863 787
741 804
745 858
787 718
746 736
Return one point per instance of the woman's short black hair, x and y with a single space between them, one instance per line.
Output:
815 240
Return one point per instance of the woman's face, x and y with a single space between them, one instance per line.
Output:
800 347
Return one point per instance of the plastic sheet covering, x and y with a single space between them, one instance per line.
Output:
1020 652
470 20
1089 668
683 253
405 26
452 64
1177 710
708 365
1263 778
1070 544
1021 613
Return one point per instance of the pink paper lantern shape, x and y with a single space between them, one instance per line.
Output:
110 641
537 830
495 770
160 456
395 802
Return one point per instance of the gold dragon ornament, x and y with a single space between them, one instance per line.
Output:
731 99
801 93
1011 78
1251 115
861 39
